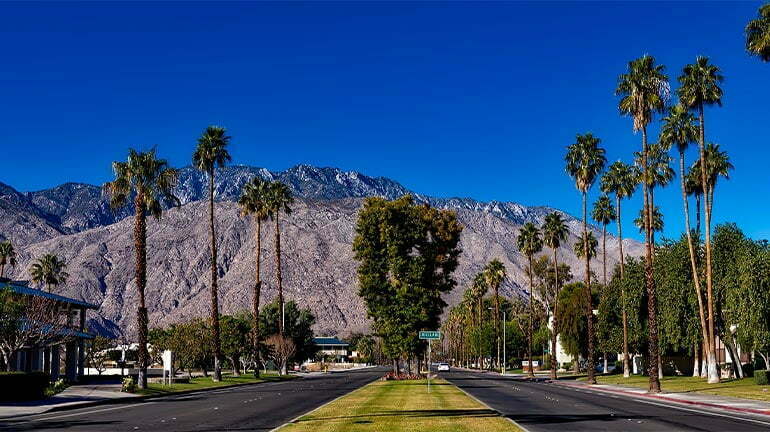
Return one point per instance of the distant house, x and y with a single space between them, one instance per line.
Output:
332 347
63 352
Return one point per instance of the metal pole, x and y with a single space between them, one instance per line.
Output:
504 356
429 365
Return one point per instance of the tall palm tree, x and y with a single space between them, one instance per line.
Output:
717 165
621 179
279 201
211 153
529 243
7 256
254 201
604 213
659 174
679 129
657 220
695 188
150 181
758 34
494 273
49 270
700 87
479 289
643 92
585 248
554 232
585 160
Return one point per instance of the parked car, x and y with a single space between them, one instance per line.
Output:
443 367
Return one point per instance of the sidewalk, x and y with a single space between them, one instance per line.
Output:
71 396
689 398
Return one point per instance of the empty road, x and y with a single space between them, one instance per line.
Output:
543 406
260 407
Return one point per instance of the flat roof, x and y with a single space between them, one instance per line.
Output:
21 288
329 341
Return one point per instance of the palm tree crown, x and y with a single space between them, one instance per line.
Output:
699 84
529 240
255 199
148 178
603 211
717 165
644 90
554 230
211 150
494 273
580 246
758 34
620 179
656 222
7 256
659 171
49 270
679 128
585 161
280 199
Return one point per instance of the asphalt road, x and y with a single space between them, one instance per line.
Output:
543 406
260 407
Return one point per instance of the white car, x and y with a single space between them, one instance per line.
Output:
443 367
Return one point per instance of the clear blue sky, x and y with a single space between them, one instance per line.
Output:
453 99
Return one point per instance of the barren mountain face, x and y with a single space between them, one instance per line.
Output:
318 266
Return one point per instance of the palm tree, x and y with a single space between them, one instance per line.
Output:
695 188
279 200
644 90
529 243
604 213
717 165
494 274
254 201
49 270
211 153
659 173
758 34
586 249
621 179
554 232
479 289
585 161
657 220
699 87
7 256
150 181
679 129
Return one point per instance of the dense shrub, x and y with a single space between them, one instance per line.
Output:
129 385
748 370
760 377
18 386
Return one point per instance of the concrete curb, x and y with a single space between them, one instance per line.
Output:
138 399
670 399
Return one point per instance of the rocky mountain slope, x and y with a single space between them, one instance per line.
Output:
74 221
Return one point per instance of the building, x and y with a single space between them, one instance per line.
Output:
331 347
62 352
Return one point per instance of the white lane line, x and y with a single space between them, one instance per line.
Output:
489 407
87 412
704 412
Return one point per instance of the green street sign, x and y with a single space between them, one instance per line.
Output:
430 335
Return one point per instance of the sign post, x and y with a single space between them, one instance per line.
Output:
429 336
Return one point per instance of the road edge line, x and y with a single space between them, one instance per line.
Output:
489 407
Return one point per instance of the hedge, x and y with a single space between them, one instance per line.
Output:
19 386
760 377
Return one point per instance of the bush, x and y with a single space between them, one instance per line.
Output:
18 386
567 365
748 370
760 377
59 386
390 376
129 385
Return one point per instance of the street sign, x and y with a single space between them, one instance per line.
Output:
430 335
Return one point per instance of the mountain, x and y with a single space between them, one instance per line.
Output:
74 221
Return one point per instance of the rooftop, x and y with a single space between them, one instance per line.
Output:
329 341
21 287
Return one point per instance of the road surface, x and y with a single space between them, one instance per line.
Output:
260 407
543 406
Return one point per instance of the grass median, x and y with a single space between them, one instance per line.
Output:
403 406
741 388
202 383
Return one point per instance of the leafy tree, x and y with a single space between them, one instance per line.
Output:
97 354
572 317
49 270
365 347
235 339
150 181
7 256
255 201
281 349
211 153
644 90
585 161
279 201
298 327
529 243
747 304
407 255
190 342
758 34
700 87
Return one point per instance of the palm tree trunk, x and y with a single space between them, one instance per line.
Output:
591 379
2 269
652 323
214 295
497 319
278 272
696 361
257 293
531 372
713 375
140 247
554 323
691 246
626 365
604 252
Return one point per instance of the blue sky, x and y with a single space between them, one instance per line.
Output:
450 99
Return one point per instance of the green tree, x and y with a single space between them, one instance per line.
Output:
255 202
7 256
235 339
150 181
700 87
298 326
657 220
758 34
554 233
49 270
621 180
97 354
529 243
494 275
644 90
747 303
585 161
211 153
279 201
604 214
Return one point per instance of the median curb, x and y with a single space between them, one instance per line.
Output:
138 399
668 399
